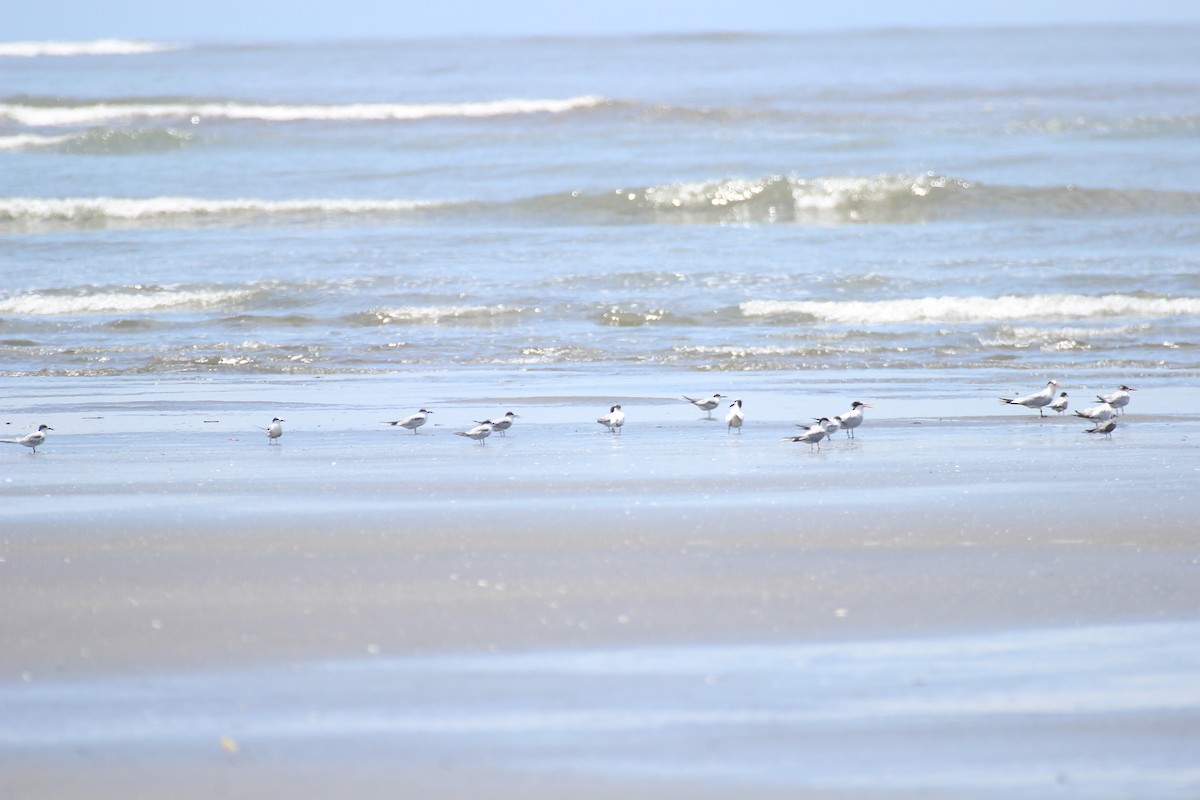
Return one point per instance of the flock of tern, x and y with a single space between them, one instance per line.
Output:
1102 415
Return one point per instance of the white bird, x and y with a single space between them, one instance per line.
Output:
1105 427
502 424
812 436
274 431
478 433
706 405
1060 403
852 418
735 417
1118 399
412 421
32 439
1038 400
831 426
614 419
1098 413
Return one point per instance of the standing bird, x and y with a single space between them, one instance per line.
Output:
812 436
735 417
1105 427
31 439
1038 400
1098 413
502 424
478 433
1118 399
1060 403
274 431
853 418
614 419
831 426
412 421
708 404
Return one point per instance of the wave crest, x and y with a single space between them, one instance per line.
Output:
38 113
99 210
125 300
98 47
971 309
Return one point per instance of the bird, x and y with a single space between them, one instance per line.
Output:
706 405
812 436
1105 427
274 431
412 421
1118 399
502 424
831 426
31 439
1038 400
1098 413
614 419
1060 403
852 418
478 433
735 417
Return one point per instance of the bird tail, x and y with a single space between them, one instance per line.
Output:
1007 400
689 399
1081 414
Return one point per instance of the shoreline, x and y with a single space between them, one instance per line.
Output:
169 577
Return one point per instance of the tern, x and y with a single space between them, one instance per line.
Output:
1118 399
1105 427
852 418
1060 403
1038 400
502 424
707 405
735 417
1098 413
614 419
274 431
412 421
831 426
478 433
32 439
812 436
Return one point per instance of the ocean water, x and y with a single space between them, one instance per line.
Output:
912 203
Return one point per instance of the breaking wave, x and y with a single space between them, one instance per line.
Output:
101 210
101 141
98 47
138 300
45 113
828 201
936 310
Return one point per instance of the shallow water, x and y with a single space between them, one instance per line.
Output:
978 715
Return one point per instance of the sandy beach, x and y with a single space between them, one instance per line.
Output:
675 611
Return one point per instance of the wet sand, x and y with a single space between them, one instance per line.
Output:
700 614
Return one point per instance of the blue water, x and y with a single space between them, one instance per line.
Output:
897 201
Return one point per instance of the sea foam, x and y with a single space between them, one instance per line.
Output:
98 47
100 209
101 113
120 301
973 309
